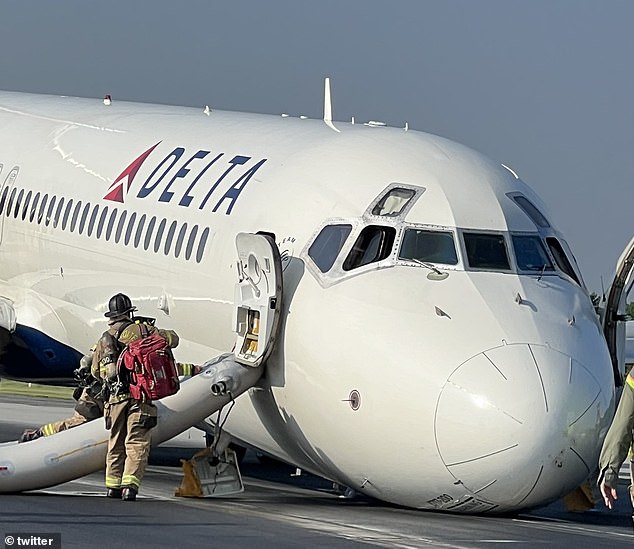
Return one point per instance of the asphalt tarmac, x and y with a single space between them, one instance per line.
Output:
276 509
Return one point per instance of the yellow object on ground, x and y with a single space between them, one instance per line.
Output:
190 485
208 475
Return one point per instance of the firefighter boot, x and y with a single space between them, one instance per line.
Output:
114 493
30 434
128 493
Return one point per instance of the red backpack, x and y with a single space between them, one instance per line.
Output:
153 372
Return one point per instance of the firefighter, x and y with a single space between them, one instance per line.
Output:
616 445
129 420
89 404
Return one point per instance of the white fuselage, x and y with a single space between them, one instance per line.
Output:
487 389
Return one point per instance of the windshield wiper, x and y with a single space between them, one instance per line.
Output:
428 265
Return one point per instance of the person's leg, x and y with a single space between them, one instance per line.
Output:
141 419
116 419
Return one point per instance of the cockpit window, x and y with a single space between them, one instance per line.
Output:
393 203
327 245
374 243
561 258
486 251
531 254
531 211
428 246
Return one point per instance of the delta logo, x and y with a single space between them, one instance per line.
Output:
119 189
202 180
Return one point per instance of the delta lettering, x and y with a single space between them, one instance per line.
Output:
191 185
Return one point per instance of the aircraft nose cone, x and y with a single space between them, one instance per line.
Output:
519 424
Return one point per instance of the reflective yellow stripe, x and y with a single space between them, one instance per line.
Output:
185 368
630 380
48 430
131 480
112 482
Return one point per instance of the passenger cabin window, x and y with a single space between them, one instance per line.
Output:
327 245
40 213
428 246
486 251
68 214
36 200
561 258
120 226
531 254
10 203
180 239
374 243
531 211
3 199
27 201
190 242
73 221
18 203
84 217
393 203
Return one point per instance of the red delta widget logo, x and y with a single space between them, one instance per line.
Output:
187 182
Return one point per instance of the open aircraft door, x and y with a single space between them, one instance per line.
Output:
258 297
614 316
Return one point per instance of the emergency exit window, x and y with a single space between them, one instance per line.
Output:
394 202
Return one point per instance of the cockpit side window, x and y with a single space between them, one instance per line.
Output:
561 258
326 247
531 254
486 251
374 243
531 211
394 202
428 246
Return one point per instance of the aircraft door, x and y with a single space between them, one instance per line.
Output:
257 297
614 314
5 196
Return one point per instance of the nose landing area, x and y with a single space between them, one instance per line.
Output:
518 425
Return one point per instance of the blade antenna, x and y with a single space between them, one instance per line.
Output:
328 105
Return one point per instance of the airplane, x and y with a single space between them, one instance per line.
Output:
383 307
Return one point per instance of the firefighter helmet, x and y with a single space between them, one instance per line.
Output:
119 305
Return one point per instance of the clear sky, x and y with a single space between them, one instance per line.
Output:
544 86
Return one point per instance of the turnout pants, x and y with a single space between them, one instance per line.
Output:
130 422
68 423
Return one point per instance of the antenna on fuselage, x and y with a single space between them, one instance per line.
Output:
328 105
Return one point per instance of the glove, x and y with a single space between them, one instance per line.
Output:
82 375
